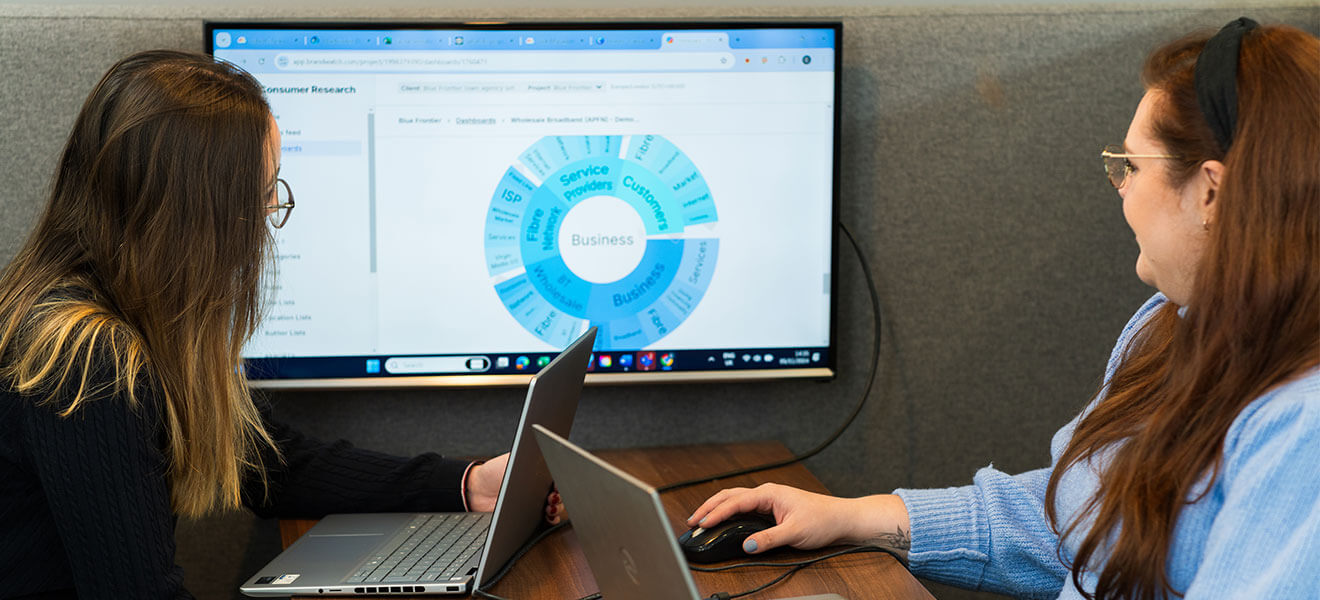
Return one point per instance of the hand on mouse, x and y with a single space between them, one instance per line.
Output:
807 520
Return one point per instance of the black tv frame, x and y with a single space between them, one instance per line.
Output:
827 371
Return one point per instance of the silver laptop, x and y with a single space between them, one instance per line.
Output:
437 553
621 526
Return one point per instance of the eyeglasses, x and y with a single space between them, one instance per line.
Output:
1117 165
279 212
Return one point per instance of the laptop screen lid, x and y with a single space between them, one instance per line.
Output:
620 524
622 527
552 399
333 556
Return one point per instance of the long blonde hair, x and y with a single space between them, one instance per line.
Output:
147 260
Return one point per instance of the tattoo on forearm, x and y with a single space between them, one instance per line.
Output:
900 542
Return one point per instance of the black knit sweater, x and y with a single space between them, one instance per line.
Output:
84 500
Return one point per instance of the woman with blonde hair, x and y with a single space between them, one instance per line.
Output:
1195 470
122 320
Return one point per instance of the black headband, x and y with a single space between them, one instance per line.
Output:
1216 79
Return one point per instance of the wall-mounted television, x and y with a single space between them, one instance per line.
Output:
470 197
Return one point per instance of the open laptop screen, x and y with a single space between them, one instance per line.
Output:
470 198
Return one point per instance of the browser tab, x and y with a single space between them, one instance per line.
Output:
687 40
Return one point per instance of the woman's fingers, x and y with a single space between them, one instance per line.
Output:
554 508
774 537
803 519
733 501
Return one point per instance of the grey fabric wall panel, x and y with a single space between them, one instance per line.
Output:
970 175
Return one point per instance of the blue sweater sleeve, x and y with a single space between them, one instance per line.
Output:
990 535
1265 540
993 534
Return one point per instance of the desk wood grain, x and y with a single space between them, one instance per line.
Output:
556 569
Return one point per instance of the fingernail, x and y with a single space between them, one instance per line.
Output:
749 546
703 520
693 516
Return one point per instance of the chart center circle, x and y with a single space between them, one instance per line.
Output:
602 239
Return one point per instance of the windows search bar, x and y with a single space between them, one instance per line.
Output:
436 364
518 61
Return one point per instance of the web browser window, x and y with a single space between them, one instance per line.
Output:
471 199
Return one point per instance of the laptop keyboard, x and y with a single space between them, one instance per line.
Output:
430 548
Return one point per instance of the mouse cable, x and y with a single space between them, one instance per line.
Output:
794 567
866 393
480 591
800 563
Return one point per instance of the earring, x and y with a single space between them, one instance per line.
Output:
1205 224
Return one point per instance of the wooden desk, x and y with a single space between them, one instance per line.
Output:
556 570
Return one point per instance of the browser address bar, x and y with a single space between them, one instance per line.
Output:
502 61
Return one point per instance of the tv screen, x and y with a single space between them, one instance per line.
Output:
472 197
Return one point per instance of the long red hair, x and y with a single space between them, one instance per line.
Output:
1253 323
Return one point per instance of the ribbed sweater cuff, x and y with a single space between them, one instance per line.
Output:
950 540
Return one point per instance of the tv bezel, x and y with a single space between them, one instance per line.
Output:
826 372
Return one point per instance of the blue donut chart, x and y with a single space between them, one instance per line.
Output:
543 294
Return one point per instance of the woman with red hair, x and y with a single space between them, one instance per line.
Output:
1195 470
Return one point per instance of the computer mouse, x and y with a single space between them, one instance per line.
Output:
724 540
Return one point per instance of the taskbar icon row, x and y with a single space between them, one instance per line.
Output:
618 362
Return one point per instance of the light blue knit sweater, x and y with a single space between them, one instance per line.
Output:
1256 534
